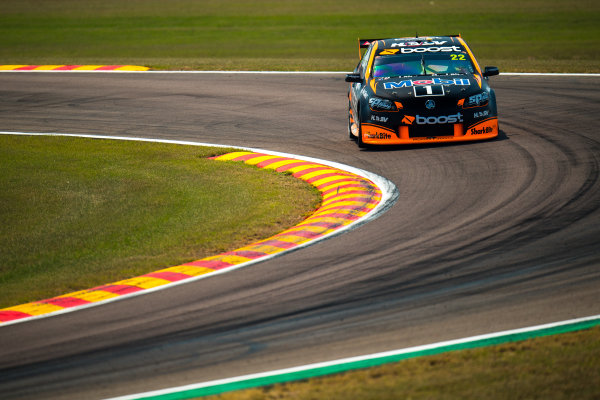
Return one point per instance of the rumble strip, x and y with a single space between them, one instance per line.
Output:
76 68
347 198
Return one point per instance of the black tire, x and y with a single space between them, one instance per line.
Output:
495 106
359 140
350 135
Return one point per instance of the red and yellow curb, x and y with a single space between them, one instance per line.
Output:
73 68
346 197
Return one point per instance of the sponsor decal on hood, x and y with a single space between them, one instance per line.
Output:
426 82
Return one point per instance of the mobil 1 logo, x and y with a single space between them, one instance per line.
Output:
429 90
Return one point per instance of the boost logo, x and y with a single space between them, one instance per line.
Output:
408 120
405 50
443 119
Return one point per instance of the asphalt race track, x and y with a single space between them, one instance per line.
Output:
485 236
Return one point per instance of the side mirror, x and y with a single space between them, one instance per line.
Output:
353 78
491 71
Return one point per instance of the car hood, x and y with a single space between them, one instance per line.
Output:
450 86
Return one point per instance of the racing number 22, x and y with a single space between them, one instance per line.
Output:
456 57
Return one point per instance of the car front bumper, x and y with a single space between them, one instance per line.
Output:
379 135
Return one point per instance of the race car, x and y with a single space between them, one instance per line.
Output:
420 90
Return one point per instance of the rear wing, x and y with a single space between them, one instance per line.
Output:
363 44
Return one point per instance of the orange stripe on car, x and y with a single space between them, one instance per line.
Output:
470 55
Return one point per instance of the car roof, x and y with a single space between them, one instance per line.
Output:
448 40
414 41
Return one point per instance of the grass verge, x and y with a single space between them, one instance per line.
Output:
77 213
565 366
528 36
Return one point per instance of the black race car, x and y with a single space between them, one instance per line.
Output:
420 90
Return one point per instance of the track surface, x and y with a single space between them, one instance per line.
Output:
485 237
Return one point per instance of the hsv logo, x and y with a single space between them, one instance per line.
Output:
415 44
425 82
408 120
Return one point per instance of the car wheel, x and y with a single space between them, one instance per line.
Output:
359 140
350 122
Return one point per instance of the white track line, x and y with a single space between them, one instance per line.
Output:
389 195
351 362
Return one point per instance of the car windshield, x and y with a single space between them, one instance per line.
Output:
422 64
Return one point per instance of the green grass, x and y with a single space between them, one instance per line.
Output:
546 36
565 366
76 213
